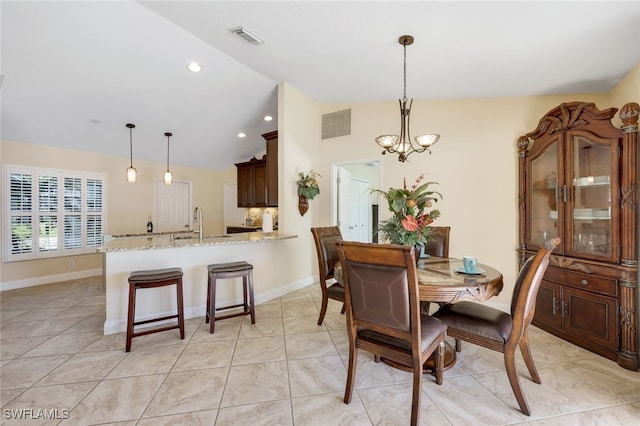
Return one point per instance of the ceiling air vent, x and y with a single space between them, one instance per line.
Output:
246 35
336 124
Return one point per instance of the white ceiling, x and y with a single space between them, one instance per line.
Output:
76 72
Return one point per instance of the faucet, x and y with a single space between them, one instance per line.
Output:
197 217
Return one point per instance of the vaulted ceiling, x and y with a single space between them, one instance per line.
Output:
74 73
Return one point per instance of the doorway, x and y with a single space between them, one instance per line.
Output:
353 206
173 206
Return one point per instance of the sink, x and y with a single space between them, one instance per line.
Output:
185 237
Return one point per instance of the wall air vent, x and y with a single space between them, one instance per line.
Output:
336 124
246 35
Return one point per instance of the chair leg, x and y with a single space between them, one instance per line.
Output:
514 380
180 307
528 358
130 316
323 308
417 391
206 315
251 300
351 373
439 364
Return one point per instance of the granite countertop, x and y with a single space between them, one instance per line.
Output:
164 241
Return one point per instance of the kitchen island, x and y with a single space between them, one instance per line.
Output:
266 251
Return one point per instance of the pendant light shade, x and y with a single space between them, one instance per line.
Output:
132 173
168 177
402 144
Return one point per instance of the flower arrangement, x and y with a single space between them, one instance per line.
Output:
409 224
308 185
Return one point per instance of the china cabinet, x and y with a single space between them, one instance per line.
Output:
578 179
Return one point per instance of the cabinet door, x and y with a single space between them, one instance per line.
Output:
590 316
260 185
244 186
592 208
272 170
548 305
544 208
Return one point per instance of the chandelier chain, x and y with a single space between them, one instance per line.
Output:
404 96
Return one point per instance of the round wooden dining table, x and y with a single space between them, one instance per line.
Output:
442 281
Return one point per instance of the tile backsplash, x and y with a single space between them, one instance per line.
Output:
254 216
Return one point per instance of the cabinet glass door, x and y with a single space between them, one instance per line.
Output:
543 214
591 222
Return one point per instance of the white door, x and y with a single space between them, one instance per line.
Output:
173 207
361 210
344 204
233 215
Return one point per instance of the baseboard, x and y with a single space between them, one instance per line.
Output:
49 279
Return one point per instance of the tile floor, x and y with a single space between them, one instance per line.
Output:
284 370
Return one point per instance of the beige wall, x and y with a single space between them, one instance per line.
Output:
298 130
128 204
627 91
474 162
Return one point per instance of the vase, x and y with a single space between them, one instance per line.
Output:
303 204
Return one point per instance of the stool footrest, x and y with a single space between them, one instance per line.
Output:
155 320
238 314
155 330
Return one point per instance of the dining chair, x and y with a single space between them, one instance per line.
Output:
497 330
438 246
383 313
325 239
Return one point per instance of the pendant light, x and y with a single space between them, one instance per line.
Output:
132 173
402 144
168 178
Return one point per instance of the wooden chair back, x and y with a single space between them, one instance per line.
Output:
325 239
525 292
439 244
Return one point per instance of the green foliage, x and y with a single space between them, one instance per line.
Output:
308 185
410 222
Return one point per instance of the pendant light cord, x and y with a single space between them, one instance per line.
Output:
130 148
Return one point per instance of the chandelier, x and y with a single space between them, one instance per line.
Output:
402 144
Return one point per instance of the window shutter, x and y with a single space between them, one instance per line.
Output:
94 205
21 204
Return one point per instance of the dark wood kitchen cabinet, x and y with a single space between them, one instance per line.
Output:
272 168
258 178
578 179
252 183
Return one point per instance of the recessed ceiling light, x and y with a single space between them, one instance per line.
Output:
241 135
268 118
194 67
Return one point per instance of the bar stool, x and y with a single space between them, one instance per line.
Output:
224 271
151 279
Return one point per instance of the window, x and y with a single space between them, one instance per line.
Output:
52 213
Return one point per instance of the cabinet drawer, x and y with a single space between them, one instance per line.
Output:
583 281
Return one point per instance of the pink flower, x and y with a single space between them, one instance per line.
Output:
409 223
